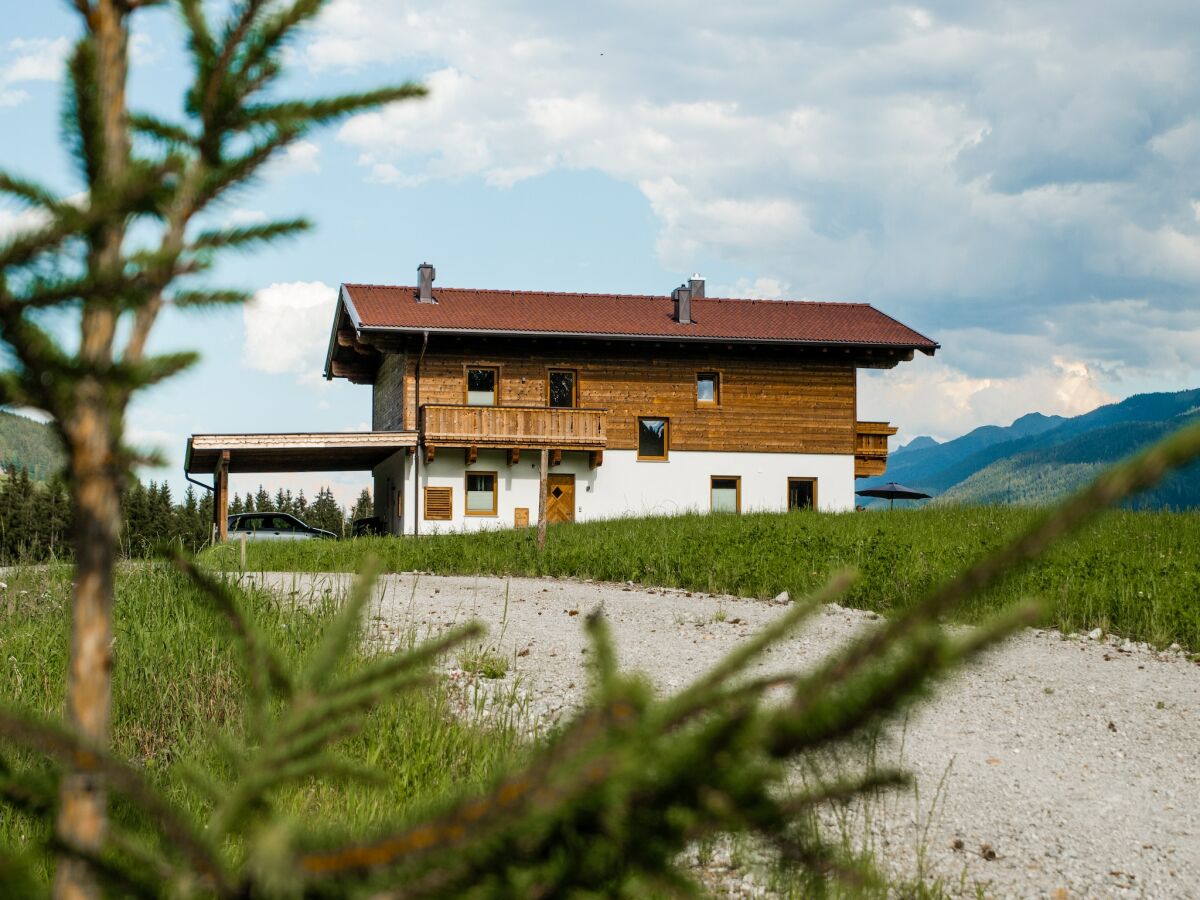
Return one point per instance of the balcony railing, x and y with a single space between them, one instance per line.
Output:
871 448
514 427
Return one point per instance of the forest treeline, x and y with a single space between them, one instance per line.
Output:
35 516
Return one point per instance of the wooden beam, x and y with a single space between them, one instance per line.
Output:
595 459
428 453
555 457
514 455
541 536
471 454
221 497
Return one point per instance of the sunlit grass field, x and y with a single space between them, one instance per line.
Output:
1135 574
178 688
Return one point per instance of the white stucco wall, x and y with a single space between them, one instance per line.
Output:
622 486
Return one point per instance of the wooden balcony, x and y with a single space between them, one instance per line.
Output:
871 448
514 427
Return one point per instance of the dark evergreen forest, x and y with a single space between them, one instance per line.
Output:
35 516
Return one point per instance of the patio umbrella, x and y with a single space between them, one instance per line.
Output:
892 491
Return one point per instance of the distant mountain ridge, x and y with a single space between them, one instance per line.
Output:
31 445
1039 458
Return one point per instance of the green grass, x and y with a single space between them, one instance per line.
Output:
177 683
1135 574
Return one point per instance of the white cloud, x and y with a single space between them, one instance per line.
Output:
287 327
14 222
31 59
931 397
238 218
300 158
986 170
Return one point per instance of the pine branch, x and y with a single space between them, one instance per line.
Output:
161 130
330 109
249 236
342 631
72 750
32 193
185 299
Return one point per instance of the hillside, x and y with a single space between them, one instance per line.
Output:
1039 458
29 444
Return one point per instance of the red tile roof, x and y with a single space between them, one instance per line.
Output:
630 316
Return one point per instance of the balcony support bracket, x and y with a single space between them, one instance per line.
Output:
514 455
471 454
595 459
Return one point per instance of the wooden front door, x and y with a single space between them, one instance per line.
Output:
560 498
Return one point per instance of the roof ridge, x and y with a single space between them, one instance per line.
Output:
607 296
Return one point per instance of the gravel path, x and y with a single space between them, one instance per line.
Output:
1075 761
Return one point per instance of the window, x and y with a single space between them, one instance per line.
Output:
802 493
481 493
560 385
725 493
439 503
279 523
653 438
481 386
708 388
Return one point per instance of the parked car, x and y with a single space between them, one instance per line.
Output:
368 526
273 526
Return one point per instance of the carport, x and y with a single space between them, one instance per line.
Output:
220 454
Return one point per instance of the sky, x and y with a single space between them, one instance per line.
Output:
1018 180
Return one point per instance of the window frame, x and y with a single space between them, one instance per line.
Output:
666 454
466 493
718 377
475 367
737 480
425 503
574 373
809 478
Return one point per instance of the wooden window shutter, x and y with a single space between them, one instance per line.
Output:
438 503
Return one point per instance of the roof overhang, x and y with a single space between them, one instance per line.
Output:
658 338
336 451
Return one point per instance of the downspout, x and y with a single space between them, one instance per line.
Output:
420 442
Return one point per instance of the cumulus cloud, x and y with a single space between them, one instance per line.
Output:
934 398
287 327
30 59
300 158
1000 171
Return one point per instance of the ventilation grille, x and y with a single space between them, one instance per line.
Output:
438 501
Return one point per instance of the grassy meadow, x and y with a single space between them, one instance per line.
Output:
1135 574
178 686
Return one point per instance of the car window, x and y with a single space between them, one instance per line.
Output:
281 523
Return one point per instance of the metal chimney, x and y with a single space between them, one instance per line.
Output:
696 283
425 275
682 296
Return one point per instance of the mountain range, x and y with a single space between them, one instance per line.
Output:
1039 458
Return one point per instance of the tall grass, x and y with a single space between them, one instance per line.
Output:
1132 573
178 686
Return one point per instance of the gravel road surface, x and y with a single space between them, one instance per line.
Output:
1074 761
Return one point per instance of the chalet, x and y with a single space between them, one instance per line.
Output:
484 401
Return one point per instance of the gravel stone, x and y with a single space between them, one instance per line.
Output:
1077 765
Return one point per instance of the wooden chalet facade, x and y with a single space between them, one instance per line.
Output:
642 405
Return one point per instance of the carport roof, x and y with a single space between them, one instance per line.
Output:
336 451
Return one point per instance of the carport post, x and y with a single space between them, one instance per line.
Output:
221 497
542 503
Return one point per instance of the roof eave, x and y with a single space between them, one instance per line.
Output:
619 336
344 301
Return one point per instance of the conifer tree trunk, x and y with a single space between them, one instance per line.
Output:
95 475
94 480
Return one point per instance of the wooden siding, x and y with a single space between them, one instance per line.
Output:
769 402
